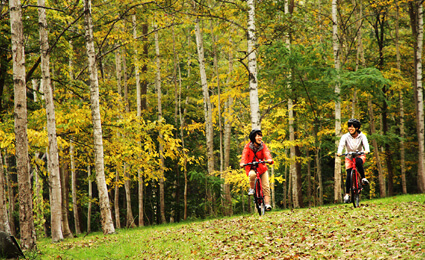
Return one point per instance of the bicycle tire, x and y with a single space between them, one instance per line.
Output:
258 198
355 189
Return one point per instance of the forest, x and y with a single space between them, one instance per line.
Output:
116 114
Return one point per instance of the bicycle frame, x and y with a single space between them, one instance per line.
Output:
356 186
258 188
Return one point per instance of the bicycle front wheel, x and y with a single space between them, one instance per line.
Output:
258 198
355 189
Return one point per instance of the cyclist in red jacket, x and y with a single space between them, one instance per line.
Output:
254 151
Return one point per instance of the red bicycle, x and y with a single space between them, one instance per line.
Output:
355 180
258 188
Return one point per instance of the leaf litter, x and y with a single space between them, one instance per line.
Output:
376 230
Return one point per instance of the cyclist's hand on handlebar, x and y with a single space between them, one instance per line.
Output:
241 165
339 155
270 161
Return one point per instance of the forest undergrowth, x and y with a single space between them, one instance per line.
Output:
387 228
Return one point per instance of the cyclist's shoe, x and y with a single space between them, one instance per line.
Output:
251 192
346 198
268 207
365 181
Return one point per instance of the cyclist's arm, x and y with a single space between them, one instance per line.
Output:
341 145
267 155
244 158
366 144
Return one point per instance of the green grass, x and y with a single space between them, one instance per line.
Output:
387 228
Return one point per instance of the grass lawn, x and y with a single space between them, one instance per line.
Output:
387 228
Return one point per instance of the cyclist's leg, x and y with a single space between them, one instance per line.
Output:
266 187
348 181
252 176
359 166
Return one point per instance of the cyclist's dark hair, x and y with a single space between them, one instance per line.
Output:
355 122
253 134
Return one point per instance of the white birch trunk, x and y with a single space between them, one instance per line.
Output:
228 131
252 67
90 184
139 115
207 106
74 189
206 98
292 168
106 219
28 235
117 172
11 196
336 50
161 147
4 215
53 158
71 155
420 115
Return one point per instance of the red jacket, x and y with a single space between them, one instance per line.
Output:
263 153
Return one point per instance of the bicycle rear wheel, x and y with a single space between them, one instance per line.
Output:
258 198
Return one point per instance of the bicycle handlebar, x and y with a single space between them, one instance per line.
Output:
255 163
352 153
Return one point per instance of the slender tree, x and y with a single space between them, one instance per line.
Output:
252 67
105 211
53 158
336 51
26 220
207 105
161 146
4 218
401 103
420 104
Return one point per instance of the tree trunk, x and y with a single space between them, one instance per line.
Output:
90 183
139 115
376 150
285 185
127 187
220 128
228 132
74 189
175 189
207 105
105 211
4 218
71 154
336 50
117 199
26 221
401 103
309 195
182 124
161 147
64 177
11 195
118 71
252 67
419 90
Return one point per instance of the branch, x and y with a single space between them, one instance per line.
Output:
44 7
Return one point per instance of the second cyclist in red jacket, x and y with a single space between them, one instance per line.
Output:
256 150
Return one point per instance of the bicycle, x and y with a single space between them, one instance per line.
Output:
258 188
356 184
